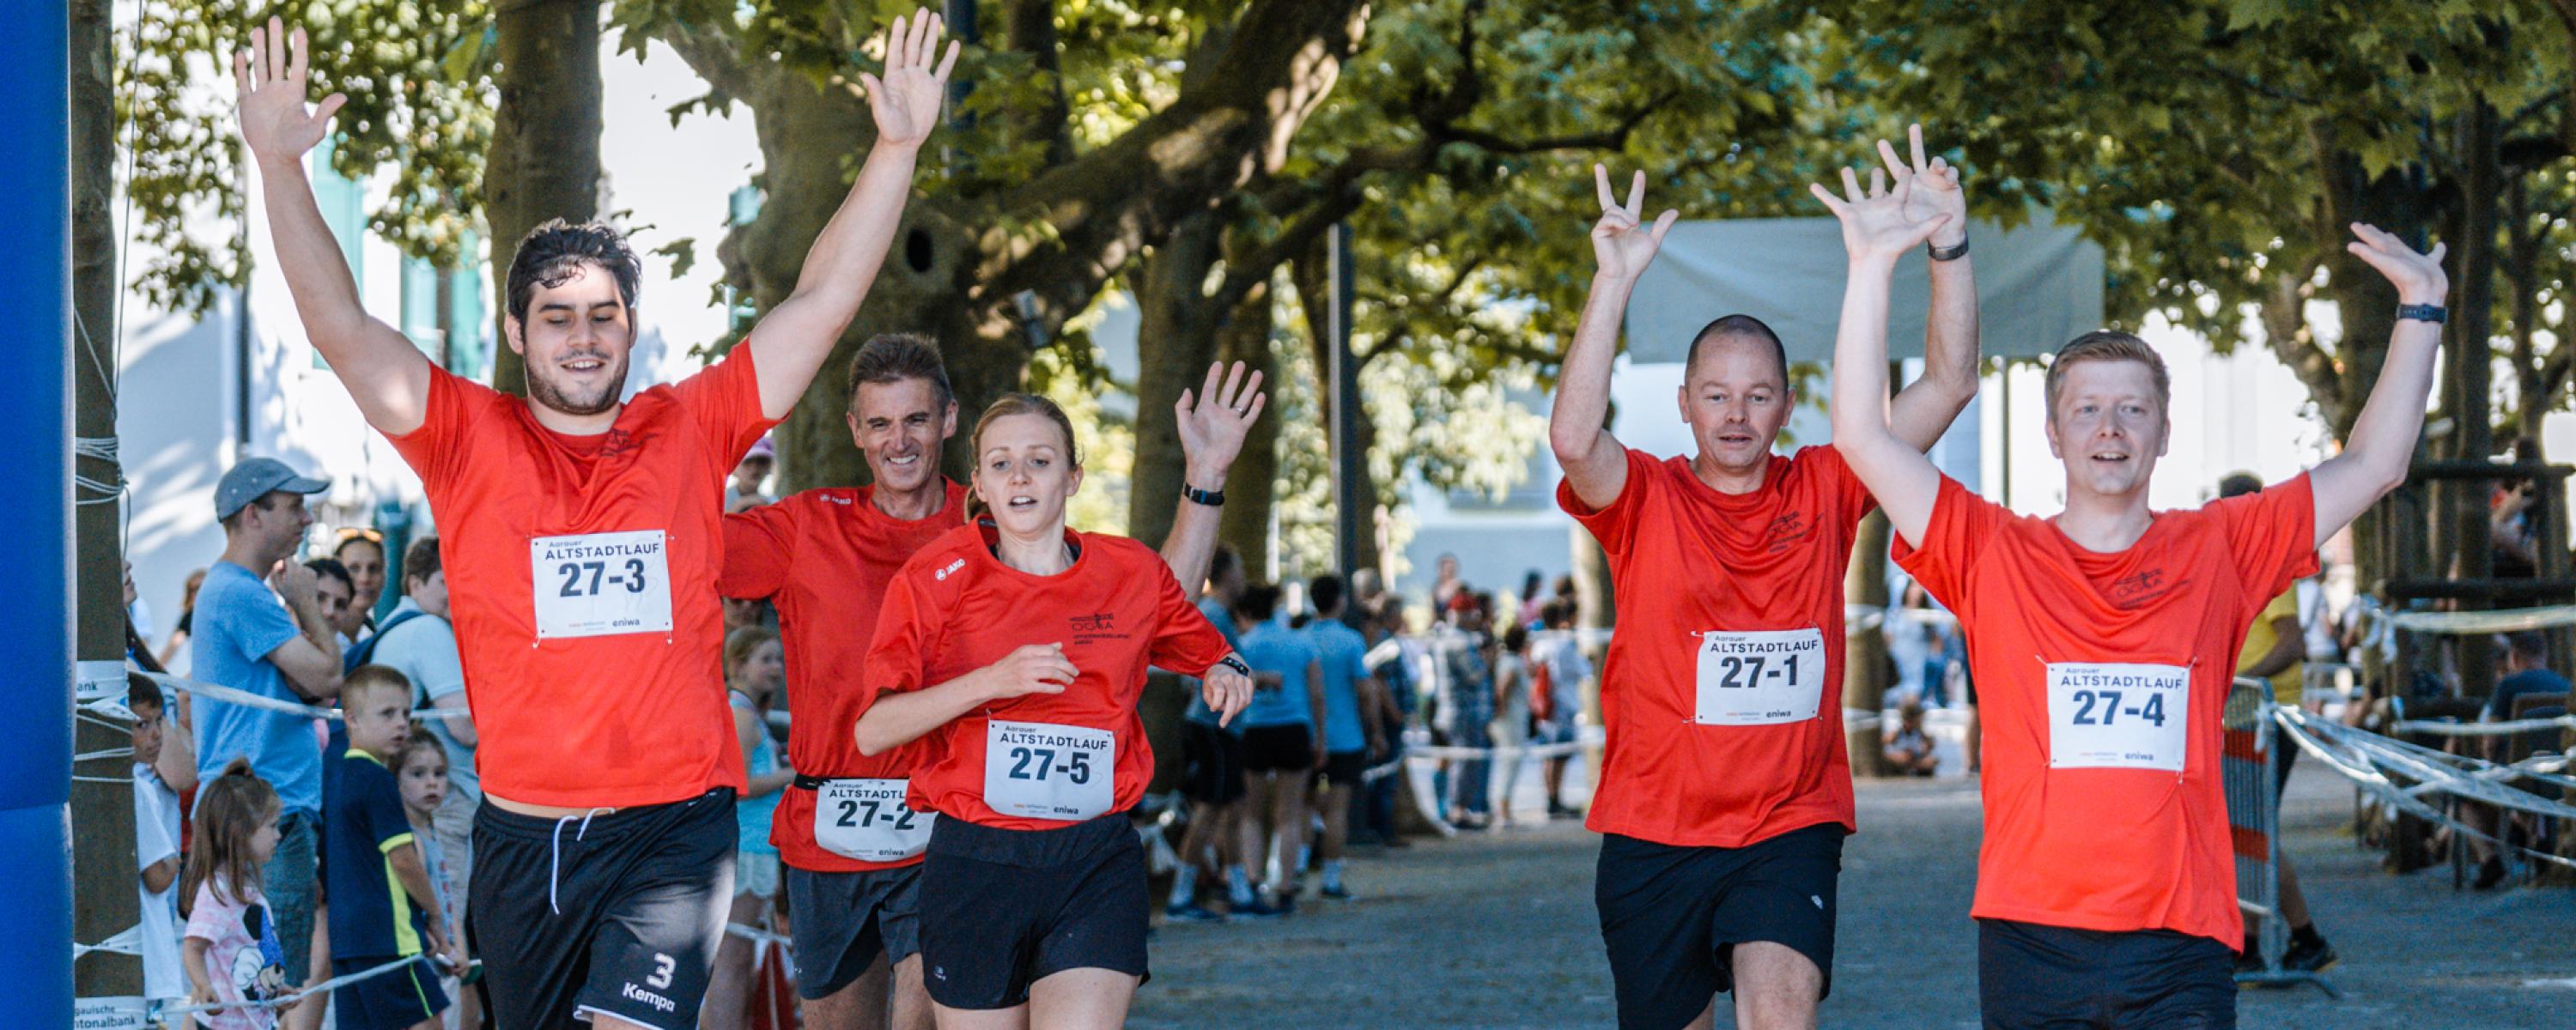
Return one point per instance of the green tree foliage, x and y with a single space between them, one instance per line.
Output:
2216 148
418 107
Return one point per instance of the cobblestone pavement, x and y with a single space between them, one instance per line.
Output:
1498 930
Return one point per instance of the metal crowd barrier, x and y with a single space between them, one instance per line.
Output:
2248 769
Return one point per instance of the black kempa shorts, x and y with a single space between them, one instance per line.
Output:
1002 909
2052 976
617 913
1284 748
841 922
1212 762
1344 768
1671 916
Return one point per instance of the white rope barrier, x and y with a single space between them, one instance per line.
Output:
1418 748
128 941
756 935
246 699
2448 728
2369 760
2510 620
294 996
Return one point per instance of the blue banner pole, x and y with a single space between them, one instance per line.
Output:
35 487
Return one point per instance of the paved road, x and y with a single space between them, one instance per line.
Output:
1498 930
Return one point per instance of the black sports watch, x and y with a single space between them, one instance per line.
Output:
1235 664
1947 253
2433 313
1211 498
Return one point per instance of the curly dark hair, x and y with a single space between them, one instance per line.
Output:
551 253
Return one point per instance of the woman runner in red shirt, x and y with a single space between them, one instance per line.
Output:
1016 649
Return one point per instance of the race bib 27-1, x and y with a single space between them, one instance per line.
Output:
1760 678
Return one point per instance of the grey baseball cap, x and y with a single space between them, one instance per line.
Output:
253 478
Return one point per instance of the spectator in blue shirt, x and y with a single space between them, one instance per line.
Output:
1212 758
1351 729
1281 744
2527 671
268 637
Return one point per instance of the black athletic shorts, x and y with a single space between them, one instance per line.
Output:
1003 909
1288 747
1212 764
841 922
1344 768
1672 916
617 913
398 1000
2035 976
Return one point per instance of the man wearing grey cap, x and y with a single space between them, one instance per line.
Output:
246 639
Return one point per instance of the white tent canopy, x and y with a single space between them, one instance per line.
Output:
2038 286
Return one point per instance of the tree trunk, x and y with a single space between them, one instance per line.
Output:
967 270
2472 364
2396 202
2534 395
544 159
1176 338
102 814
1252 488
1865 651
808 134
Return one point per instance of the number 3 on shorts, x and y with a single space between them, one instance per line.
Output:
662 968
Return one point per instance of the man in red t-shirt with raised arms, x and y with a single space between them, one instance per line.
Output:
581 542
2104 642
1724 791
851 845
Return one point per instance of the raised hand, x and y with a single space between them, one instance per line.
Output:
1620 243
905 102
1214 421
270 77
1876 224
2418 276
1935 188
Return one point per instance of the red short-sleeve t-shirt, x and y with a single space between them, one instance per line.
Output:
823 559
955 608
2101 678
582 570
1722 692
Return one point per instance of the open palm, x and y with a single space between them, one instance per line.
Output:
1214 421
1622 244
2417 275
270 75
906 100
1876 223
1932 188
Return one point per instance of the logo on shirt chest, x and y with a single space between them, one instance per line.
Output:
2140 588
618 441
1095 627
1785 532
